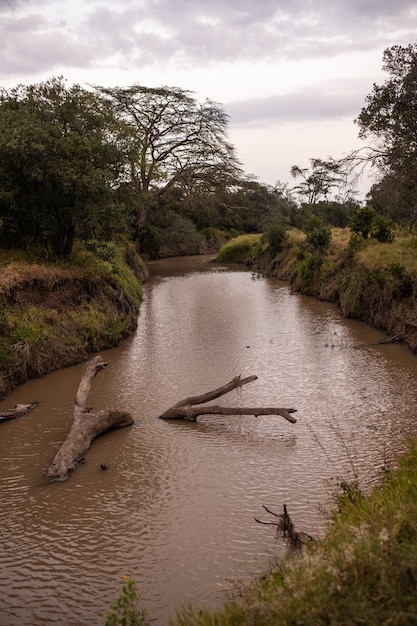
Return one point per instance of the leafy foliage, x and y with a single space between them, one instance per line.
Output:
170 141
124 611
389 119
367 222
318 182
318 234
275 235
57 167
382 230
361 221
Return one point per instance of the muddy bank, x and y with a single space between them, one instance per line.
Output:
53 317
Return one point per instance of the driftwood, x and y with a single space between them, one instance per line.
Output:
285 530
391 339
86 426
19 409
185 409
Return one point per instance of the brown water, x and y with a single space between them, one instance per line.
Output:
175 508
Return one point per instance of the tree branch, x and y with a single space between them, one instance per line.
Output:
185 409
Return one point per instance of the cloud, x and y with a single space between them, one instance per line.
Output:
290 74
196 34
212 30
28 45
330 100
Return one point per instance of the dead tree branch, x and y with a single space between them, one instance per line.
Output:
186 410
285 530
86 425
19 409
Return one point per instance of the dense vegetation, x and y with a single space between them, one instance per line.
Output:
154 165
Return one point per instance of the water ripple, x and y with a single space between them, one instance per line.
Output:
176 507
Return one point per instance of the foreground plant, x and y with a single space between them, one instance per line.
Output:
124 611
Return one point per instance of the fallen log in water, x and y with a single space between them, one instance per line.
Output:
185 409
86 425
19 409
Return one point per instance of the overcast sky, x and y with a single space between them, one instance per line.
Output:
292 75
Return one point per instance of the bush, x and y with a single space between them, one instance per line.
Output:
240 249
318 235
361 221
275 235
124 611
307 269
382 230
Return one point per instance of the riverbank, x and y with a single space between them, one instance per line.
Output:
364 571
370 281
53 316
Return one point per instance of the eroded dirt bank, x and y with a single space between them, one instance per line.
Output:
53 317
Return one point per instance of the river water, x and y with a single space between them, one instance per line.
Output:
175 508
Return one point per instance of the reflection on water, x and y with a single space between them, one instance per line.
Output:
175 509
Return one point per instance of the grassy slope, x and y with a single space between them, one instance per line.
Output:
54 316
374 282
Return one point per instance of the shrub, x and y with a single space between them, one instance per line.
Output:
124 611
354 245
361 221
382 230
275 235
307 269
318 235
240 249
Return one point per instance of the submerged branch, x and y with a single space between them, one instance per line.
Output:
185 409
19 409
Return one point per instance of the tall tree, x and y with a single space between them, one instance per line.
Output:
319 180
170 141
58 167
389 120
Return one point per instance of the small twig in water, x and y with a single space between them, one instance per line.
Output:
285 530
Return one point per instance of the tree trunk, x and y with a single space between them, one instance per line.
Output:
184 409
86 426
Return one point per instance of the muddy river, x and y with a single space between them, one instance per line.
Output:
175 508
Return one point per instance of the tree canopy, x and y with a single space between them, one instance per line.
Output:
389 120
58 167
170 141
78 164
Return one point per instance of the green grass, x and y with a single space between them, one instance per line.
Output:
241 248
56 315
403 250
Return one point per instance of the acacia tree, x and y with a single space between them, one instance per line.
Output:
389 120
58 166
170 141
320 179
